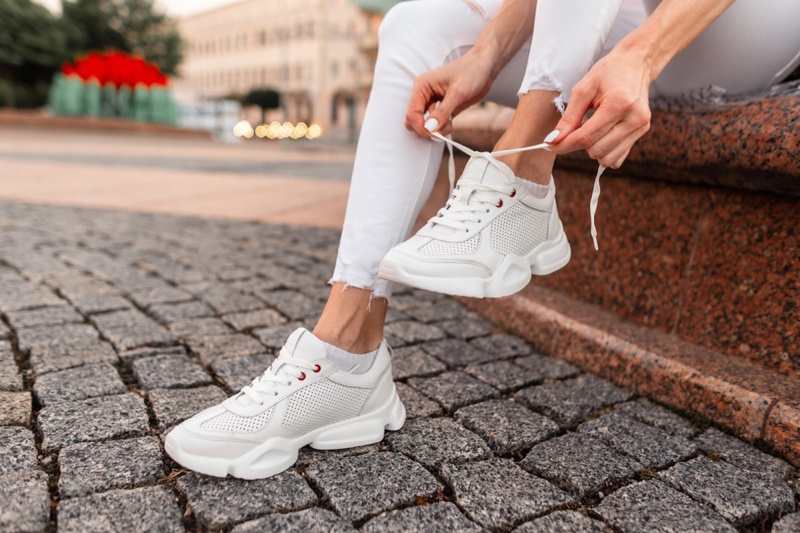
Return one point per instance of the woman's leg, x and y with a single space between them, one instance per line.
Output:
568 37
395 169
499 228
751 46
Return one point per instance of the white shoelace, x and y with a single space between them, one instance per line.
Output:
457 211
279 374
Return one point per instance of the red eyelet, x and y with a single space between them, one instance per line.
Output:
317 368
513 193
302 376
499 203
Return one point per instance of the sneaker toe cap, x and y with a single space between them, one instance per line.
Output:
187 446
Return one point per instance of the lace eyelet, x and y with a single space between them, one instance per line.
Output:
513 193
499 204
302 376
317 368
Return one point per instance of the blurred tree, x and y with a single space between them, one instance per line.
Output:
135 26
263 98
31 48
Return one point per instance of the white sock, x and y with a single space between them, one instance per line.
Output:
535 189
353 363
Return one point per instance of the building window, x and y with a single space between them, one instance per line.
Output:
334 70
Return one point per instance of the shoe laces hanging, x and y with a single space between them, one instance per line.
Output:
491 158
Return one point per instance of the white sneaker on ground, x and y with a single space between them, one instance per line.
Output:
301 399
486 241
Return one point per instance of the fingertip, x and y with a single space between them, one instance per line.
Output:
431 124
552 136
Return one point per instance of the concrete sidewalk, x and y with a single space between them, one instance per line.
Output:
294 182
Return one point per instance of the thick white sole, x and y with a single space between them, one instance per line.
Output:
278 454
511 276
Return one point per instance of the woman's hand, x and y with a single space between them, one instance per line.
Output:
456 85
617 88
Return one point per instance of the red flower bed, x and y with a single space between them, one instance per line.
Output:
116 68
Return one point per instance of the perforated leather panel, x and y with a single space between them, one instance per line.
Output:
228 421
519 230
437 247
323 403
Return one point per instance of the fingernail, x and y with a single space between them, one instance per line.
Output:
431 124
551 136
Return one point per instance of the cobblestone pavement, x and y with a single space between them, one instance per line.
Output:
117 326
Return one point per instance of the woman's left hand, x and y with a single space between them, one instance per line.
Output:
617 88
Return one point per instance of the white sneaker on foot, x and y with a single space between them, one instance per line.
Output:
301 399
486 241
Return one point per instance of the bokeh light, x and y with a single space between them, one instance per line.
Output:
276 130
314 131
243 129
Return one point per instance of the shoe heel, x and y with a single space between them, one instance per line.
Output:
398 414
553 258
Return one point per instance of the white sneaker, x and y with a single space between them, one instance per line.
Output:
486 241
301 399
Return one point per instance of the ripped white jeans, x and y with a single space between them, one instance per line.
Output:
753 45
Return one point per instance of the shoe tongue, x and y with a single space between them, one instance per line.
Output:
302 344
480 170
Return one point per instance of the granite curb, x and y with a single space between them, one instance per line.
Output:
754 403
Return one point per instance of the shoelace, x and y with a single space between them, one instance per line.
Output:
490 156
279 374
467 203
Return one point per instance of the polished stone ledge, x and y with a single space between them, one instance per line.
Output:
752 146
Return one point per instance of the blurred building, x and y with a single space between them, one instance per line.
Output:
319 54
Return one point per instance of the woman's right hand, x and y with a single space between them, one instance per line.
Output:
455 85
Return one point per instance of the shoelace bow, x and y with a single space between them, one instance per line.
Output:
279 374
457 210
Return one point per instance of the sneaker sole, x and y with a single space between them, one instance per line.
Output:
277 455
511 276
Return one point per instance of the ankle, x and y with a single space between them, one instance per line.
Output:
355 343
535 166
352 319
355 363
